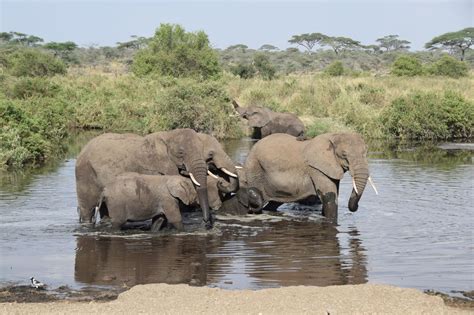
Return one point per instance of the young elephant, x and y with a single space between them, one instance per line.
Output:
140 197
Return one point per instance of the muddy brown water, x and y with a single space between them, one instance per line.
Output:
418 232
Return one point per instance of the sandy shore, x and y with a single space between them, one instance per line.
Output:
183 299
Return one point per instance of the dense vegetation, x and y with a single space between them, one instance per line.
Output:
175 79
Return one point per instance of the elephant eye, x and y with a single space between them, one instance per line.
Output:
211 154
180 152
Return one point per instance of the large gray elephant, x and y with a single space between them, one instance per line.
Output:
266 122
283 169
139 197
177 152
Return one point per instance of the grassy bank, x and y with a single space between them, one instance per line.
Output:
37 114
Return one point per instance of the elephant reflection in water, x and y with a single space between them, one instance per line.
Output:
118 260
306 253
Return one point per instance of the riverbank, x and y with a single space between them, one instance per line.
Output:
184 299
38 114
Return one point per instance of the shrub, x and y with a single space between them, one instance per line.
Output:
335 69
264 67
33 63
243 70
28 87
450 67
429 116
174 52
407 66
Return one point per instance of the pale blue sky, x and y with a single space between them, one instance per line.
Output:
231 22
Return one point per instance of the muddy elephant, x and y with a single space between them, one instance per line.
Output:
266 122
140 197
177 152
284 169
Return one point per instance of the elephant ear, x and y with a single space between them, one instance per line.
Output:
258 118
320 154
182 190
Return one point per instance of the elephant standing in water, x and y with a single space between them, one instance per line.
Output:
139 197
283 169
177 152
266 122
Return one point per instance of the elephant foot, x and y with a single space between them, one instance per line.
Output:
209 224
158 223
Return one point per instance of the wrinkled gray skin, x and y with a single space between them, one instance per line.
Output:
266 122
284 170
140 197
176 152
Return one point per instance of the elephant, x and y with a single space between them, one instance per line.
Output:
266 122
177 152
139 197
283 169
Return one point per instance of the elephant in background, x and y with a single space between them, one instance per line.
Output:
177 152
266 122
283 169
140 197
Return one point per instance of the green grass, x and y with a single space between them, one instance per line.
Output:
37 114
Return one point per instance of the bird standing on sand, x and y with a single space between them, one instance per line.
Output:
36 284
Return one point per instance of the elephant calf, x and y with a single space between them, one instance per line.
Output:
140 197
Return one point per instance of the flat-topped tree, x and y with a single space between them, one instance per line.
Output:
308 41
461 41
340 43
393 43
268 47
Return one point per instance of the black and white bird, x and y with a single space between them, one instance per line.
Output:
36 284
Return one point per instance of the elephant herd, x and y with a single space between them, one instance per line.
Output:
126 177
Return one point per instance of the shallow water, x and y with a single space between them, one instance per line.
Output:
418 232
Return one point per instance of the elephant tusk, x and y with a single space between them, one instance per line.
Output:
194 180
211 174
239 167
229 173
373 185
354 185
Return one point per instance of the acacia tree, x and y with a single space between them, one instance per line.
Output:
339 44
268 47
62 50
308 41
240 47
137 42
392 43
461 41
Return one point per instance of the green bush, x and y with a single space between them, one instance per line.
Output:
33 63
335 69
174 52
407 66
243 70
450 67
264 66
26 87
429 116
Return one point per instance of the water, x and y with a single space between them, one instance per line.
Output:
417 233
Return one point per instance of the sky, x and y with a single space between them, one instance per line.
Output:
253 23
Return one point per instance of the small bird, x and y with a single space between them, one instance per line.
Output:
36 284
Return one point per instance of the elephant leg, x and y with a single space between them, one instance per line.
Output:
327 190
158 222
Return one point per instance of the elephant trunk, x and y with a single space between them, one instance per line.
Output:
198 169
360 175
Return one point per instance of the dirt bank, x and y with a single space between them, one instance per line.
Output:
183 299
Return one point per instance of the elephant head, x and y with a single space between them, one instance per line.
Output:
257 117
183 189
193 153
334 154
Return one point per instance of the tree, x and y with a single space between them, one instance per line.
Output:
308 41
406 65
61 50
373 49
138 42
174 52
268 47
339 44
5 37
240 47
460 40
264 66
392 43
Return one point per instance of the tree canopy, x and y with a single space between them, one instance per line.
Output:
393 43
308 41
460 40
268 47
340 43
